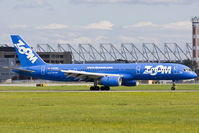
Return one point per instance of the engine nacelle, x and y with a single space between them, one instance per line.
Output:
129 83
111 81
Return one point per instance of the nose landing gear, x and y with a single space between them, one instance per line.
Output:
173 86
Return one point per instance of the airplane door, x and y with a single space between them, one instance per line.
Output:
175 70
138 70
43 70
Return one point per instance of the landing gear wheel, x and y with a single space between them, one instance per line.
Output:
173 88
97 88
94 88
102 88
105 88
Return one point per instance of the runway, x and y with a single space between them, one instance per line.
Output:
85 91
48 84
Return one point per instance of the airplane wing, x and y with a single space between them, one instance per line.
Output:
86 75
22 70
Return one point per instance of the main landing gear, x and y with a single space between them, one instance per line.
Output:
173 86
97 88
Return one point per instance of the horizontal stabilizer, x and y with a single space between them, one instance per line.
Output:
22 70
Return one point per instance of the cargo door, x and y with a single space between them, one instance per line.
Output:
138 70
43 70
175 70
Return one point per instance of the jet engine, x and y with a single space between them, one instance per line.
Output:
111 81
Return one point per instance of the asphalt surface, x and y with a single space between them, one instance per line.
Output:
48 84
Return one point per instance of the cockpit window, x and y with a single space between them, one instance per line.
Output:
187 69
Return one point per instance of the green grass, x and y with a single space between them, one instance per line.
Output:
118 112
84 87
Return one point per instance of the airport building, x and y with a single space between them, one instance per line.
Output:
49 57
9 58
6 74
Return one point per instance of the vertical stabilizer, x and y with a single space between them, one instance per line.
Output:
27 56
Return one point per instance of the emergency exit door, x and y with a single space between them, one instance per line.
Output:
138 70
43 70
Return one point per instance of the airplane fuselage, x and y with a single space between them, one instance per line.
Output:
135 71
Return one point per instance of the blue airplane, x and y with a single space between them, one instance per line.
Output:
106 75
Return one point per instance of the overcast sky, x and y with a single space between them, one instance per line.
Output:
97 21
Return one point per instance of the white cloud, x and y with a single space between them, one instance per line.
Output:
102 25
136 1
52 27
18 26
100 1
38 3
138 39
71 34
130 39
83 39
76 40
181 25
59 36
33 4
142 24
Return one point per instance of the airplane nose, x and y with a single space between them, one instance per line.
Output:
191 75
195 75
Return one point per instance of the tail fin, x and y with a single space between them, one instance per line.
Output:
26 55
